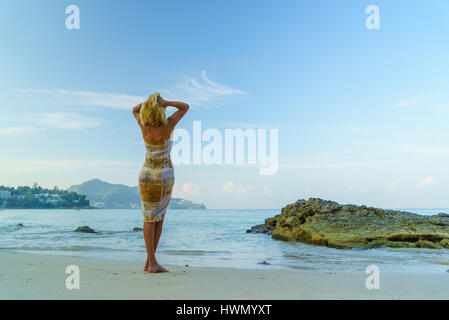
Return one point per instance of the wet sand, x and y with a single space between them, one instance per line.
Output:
32 276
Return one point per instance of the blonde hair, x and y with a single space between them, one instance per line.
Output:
152 113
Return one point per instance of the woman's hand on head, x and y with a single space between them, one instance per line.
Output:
162 102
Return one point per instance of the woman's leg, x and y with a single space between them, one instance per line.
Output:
157 233
148 235
151 264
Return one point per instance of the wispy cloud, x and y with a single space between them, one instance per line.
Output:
58 165
18 130
48 120
427 101
186 189
64 120
65 97
426 181
241 192
227 187
415 101
251 125
331 165
200 93
423 149
238 191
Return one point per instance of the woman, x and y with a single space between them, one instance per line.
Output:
157 175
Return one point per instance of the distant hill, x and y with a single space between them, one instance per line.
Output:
107 195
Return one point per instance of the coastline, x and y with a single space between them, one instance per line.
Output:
56 208
35 276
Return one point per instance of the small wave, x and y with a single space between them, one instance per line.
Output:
193 252
85 248
442 262
66 248
116 232
418 250
12 227
301 256
301 267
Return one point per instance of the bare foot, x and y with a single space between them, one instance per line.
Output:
147 263
156 268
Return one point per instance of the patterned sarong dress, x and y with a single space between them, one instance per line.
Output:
156 180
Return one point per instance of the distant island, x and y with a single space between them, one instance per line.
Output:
36 197
115 196
91 194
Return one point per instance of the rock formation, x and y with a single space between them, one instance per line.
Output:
327 223
85 229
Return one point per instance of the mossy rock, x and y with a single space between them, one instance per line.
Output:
428 244
387 243
282 234
445 243
327 223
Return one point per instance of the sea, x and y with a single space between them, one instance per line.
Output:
212 238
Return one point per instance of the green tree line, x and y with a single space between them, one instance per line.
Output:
37 197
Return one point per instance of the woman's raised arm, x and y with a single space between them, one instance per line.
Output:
175 117
136 113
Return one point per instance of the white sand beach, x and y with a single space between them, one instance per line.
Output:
32 276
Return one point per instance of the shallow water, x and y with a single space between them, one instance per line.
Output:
197 238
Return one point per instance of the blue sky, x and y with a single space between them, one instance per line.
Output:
361 114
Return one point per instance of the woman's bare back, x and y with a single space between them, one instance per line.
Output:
163 132
150 133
